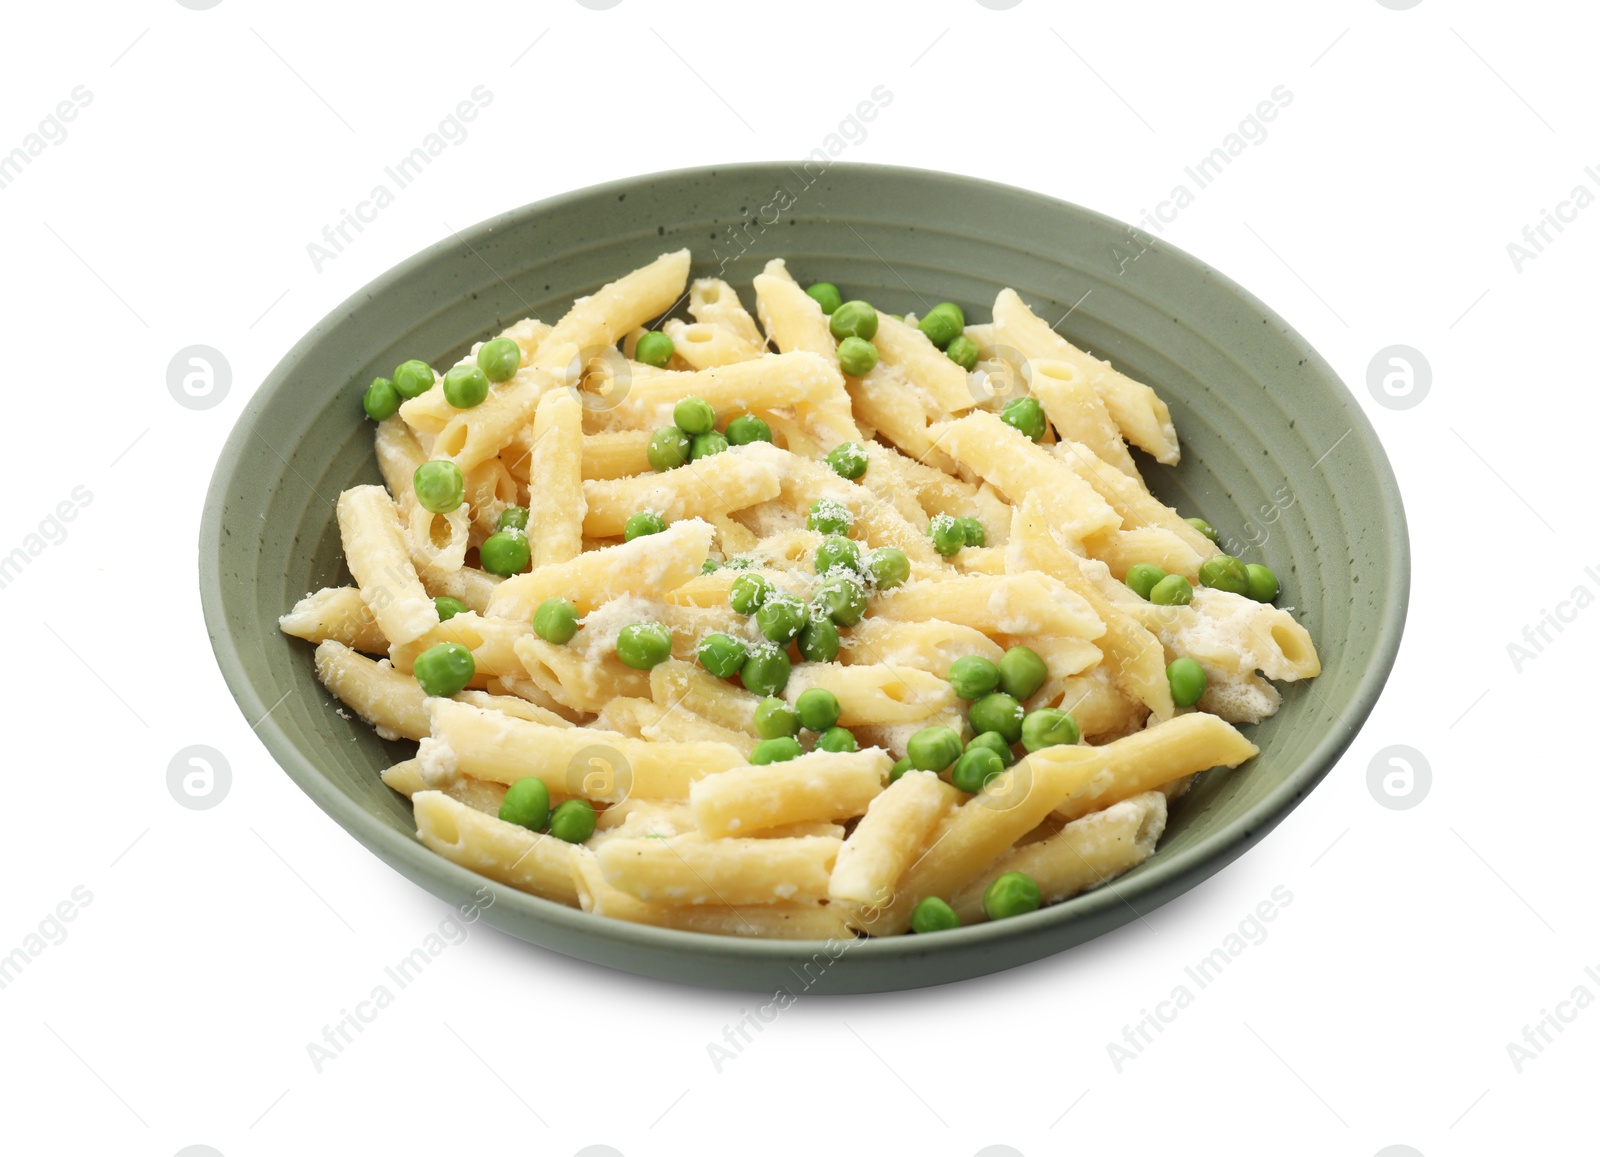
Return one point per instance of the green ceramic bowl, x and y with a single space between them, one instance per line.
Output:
1275 452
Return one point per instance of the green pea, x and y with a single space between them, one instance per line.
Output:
1024 415
556 621
766 671
444 669
1022 673
901 766
500 359
933 748
413 378
642 523
774 718
644 645
976 767
527 803
818 708
573 821
381 399
941 325
780 618
842 598
997 712
1172 591
1048 727
748 592
1011 894
996 743
705 445
819 640
837 551
973 676
747 428
710 566
829 516
694 415
505 552
779 750
1203 527
512 518
722 655
1187 679
465 386
857 358
853 319
1263 583
972 532
449 608
837 739
1142 576
825 294
669 449
889 567
847 460
739 562
439 485
933 915
963 351
654 349
1225 573
947 534
953 310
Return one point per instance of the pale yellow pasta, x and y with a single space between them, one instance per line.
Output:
714 302
803 921
810 843
761 383
1030 603
1122 549
736 478
375 551
581 761
874 692
1133 655
615 309
676 683
338 613
1017 467
491 641
555 480
1143 417
820 785
704 346
1134 505
645 566
503 851
930 645
890 834
1084 854
692 870
1147 759
576 680
978 832
481 795
924 364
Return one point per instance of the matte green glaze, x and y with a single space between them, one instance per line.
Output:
1273 445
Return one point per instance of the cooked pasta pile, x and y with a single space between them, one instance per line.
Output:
841 623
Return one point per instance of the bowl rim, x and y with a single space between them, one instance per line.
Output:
1154 882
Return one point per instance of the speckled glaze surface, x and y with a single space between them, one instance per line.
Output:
1275 451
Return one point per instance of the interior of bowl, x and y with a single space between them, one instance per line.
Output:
1276 455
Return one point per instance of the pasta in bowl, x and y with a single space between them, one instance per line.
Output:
1276 453
814 622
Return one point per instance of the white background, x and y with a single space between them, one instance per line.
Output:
178 1009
